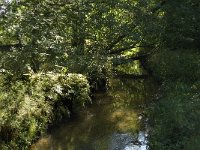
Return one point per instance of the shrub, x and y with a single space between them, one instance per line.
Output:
28 107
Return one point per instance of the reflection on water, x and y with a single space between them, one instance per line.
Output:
112 117
127 141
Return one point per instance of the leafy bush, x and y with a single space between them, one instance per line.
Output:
28 107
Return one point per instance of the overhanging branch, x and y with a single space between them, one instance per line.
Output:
123 75
130 47
124 60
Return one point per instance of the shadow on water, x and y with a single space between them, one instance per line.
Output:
112 122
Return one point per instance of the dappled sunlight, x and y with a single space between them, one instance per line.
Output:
43 143
78 74
131 68
124 120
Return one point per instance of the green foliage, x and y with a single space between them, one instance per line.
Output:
42 36
176 117
78 35
28 107
97 69
181 24
176 65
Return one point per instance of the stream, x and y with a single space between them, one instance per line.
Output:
114 121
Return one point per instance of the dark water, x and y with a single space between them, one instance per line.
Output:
115 121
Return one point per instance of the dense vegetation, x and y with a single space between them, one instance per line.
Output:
28 107
176 63
51 51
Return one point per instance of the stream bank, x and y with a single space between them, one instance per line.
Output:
114 121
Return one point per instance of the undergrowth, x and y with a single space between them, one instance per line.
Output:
175 113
